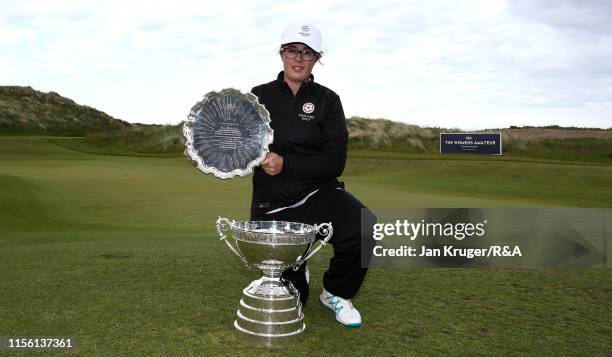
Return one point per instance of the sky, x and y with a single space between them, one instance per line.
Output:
454 64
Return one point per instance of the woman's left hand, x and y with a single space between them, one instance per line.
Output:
273 164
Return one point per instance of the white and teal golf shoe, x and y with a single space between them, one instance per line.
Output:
346 313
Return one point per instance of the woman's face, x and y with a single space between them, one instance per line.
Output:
297 69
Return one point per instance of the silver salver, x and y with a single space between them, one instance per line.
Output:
270 307
227 133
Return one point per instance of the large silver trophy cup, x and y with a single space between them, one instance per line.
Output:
270 306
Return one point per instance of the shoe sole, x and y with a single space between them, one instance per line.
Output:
353 325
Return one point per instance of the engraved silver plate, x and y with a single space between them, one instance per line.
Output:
228 133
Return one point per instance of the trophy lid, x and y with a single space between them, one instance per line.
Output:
227 133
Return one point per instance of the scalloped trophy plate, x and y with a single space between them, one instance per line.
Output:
228 133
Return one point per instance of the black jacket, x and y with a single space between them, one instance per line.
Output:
309 133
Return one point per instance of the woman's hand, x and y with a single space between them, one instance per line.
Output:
273 164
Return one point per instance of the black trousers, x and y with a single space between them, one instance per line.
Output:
347 268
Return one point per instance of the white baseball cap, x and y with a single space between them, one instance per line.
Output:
303 33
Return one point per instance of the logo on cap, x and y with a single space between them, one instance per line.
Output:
305 28
308 108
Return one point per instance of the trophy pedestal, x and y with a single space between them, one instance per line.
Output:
270 308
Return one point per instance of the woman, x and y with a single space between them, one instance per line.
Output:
298 179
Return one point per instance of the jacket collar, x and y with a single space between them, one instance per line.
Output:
305 88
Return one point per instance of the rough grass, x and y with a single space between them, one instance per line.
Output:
594 149
120 252
593 145
383 135
24 110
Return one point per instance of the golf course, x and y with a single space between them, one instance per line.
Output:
120 252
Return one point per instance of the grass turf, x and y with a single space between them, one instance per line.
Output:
120 252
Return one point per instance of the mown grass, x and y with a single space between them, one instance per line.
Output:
120 252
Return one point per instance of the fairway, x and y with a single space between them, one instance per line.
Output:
121 252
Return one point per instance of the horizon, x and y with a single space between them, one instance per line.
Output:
486 64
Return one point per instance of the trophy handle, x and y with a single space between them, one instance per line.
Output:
223 224
324 229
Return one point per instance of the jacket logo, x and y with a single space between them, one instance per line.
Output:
308 108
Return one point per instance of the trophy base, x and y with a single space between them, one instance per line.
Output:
269 308
294 333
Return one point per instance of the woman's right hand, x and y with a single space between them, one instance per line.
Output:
273 164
